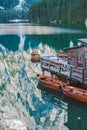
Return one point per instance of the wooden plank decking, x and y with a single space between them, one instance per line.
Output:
63 67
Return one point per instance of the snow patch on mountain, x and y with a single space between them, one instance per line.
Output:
23 5
15 9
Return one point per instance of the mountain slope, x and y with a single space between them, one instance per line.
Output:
14 9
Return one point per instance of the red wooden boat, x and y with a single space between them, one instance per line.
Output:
50 82
35 57
75 93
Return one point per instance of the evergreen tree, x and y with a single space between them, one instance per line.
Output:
65 12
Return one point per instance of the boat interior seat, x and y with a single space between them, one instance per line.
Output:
43 78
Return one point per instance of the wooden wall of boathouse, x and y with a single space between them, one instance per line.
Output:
71 68
77 51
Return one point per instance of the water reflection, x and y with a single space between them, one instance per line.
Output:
18 42
22 42
75 113
45 111
58 42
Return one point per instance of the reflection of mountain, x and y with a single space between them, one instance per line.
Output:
75 115
58 42
21 102
76 118
11 42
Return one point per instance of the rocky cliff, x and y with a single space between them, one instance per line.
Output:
14 9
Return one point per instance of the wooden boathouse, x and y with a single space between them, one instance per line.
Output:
72 65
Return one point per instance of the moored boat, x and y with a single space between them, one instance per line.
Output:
35 57
75 93
50 82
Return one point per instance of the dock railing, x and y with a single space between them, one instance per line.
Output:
78 72
54 66
64 67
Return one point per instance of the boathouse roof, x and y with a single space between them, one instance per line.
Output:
83 42
74 47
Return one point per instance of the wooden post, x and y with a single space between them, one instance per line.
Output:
76 62
42 68
43 71
84 68
83 76
49 67
51 75
57 57
59 69
41 64
70 72
84 63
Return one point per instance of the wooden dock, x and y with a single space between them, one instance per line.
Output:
65 67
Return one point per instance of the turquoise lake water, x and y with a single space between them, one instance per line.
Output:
52 111
55 41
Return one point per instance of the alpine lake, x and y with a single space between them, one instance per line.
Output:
24 103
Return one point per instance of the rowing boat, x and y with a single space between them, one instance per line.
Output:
50 82
75 93
35 57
